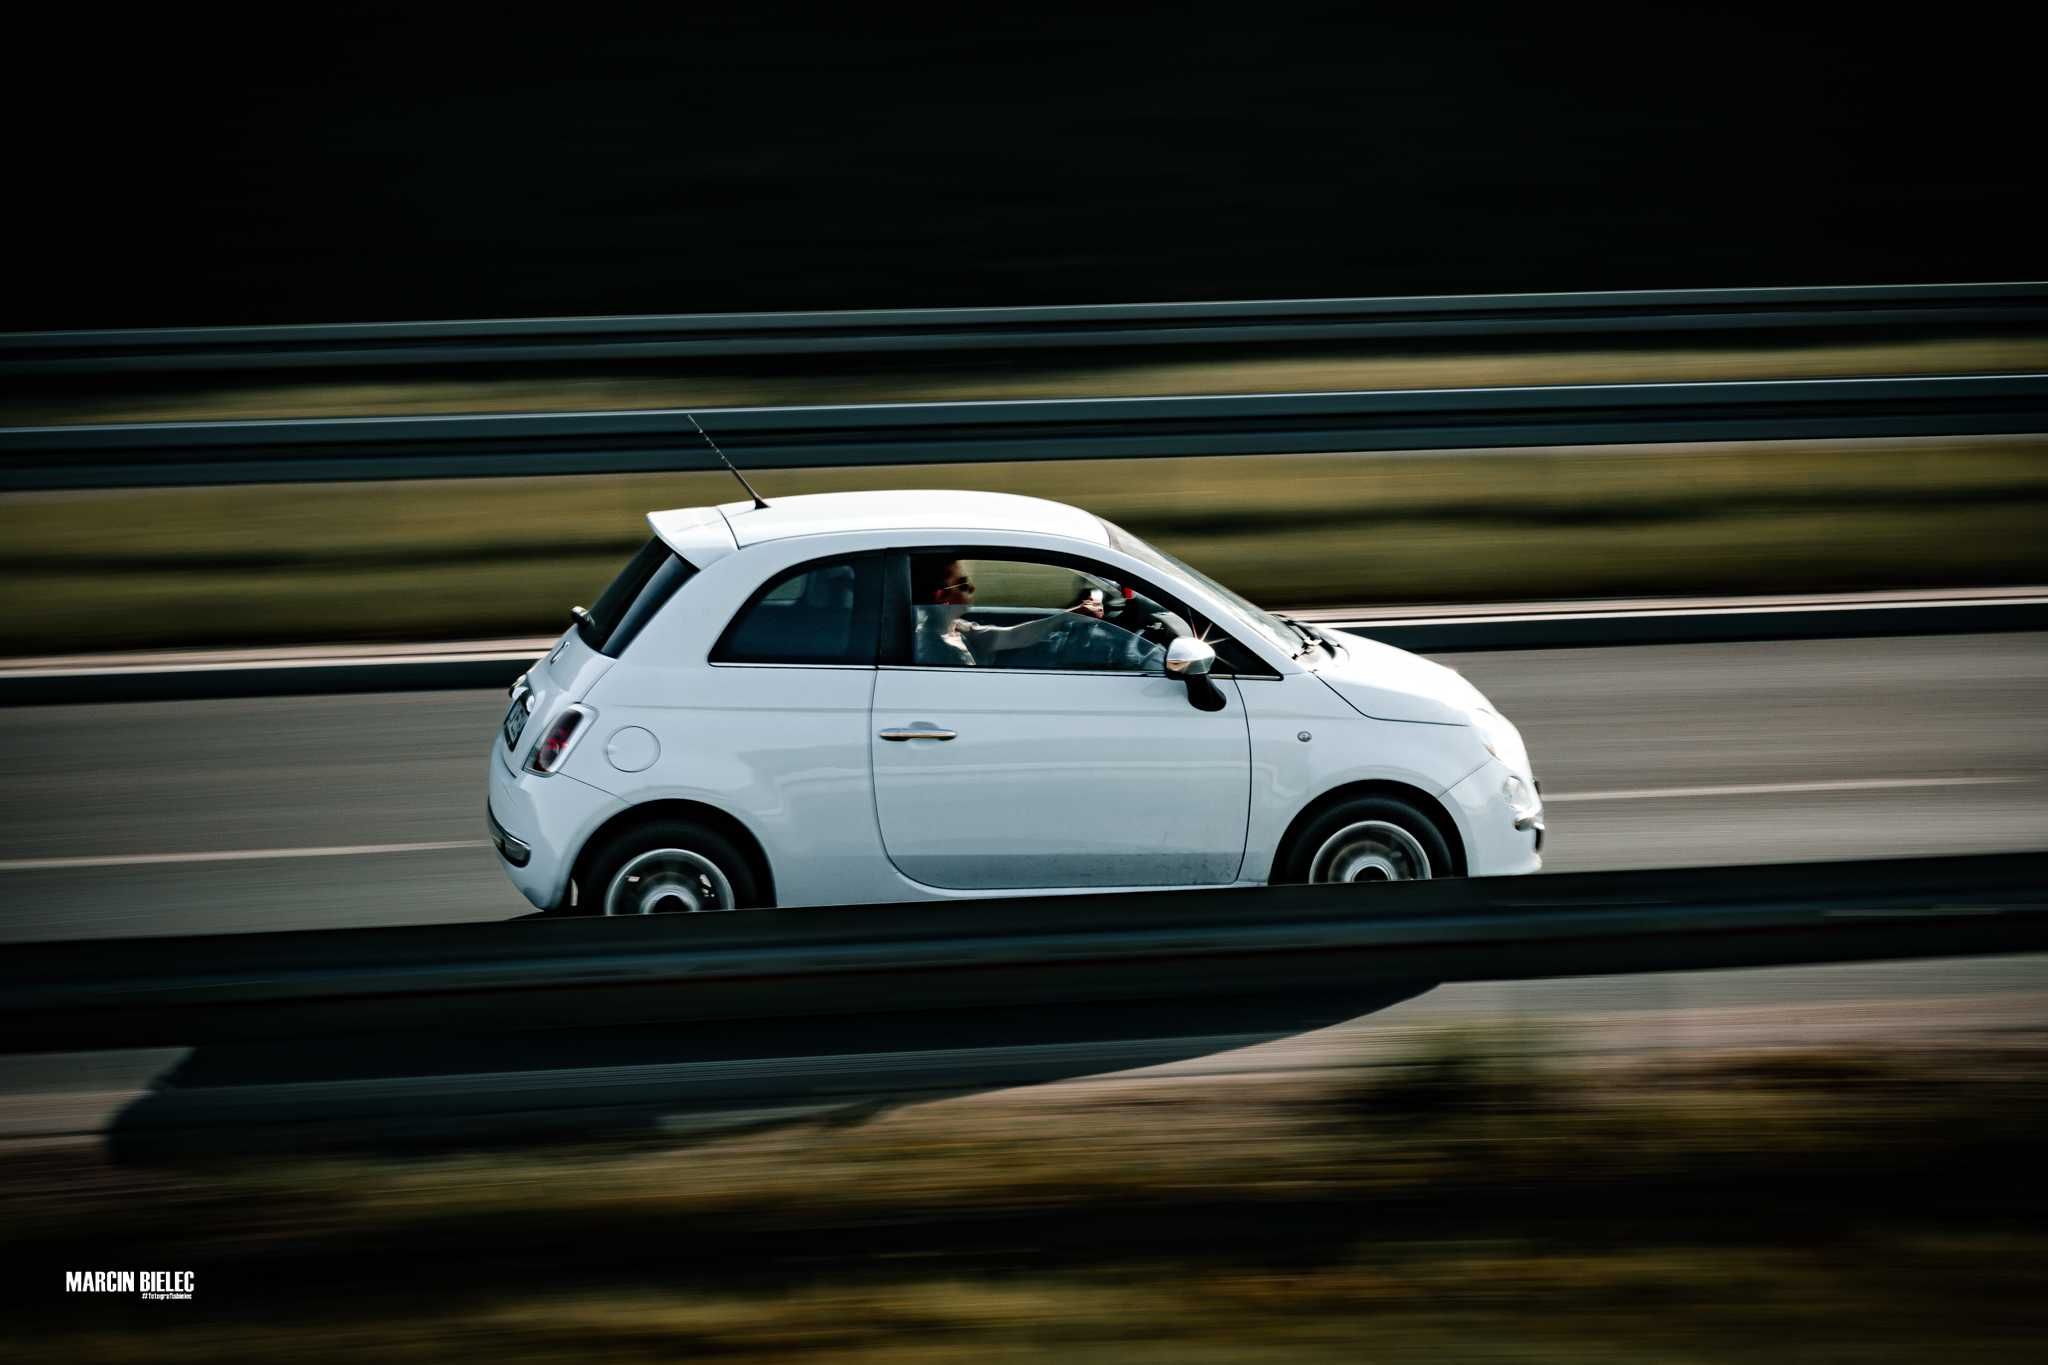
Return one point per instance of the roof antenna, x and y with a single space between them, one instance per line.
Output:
759 501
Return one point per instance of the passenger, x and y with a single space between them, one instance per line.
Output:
941 592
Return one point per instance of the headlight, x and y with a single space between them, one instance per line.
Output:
1502 740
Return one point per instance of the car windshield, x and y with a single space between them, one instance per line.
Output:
1282 636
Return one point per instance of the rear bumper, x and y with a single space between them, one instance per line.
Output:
538 825
510 849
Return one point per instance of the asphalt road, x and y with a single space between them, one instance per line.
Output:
224 816
1668 755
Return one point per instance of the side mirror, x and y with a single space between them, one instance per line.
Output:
1188 657
1190 660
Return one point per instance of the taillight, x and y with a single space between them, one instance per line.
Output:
553 747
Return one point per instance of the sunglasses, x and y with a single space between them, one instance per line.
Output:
961 585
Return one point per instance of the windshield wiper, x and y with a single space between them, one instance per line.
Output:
1310 637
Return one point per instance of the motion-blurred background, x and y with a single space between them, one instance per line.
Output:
398 164
1830 1162
380 163
389 164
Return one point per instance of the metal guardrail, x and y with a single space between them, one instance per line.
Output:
157 453
1452 634
1889 311
111 679
1026 955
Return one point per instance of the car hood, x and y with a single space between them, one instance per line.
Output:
1391 684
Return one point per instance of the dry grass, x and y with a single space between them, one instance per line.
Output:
455 559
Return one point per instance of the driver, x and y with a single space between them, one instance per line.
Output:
941 592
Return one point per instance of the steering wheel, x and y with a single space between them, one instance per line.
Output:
1150 621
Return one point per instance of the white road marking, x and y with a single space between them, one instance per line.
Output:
233 855
1782 788
250 855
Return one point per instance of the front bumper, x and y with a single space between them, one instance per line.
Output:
1534 820
1498 841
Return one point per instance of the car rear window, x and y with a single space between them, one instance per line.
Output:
649 579
819 613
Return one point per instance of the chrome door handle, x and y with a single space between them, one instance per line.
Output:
920 732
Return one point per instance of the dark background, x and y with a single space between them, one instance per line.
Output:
308 164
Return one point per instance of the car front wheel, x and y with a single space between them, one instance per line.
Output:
1370 839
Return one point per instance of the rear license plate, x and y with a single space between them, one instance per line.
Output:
516 717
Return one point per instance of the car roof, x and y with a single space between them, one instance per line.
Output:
921 509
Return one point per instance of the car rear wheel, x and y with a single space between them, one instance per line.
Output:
669 867
1370 839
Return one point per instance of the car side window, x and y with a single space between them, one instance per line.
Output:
822 613
1020 613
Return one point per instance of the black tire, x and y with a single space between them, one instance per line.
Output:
1369 815
689 885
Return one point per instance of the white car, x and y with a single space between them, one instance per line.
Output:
866 697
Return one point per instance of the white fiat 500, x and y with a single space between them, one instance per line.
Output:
863 697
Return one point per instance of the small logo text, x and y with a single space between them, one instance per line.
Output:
150 1284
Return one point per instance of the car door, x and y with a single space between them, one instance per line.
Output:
1019 743
776 727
